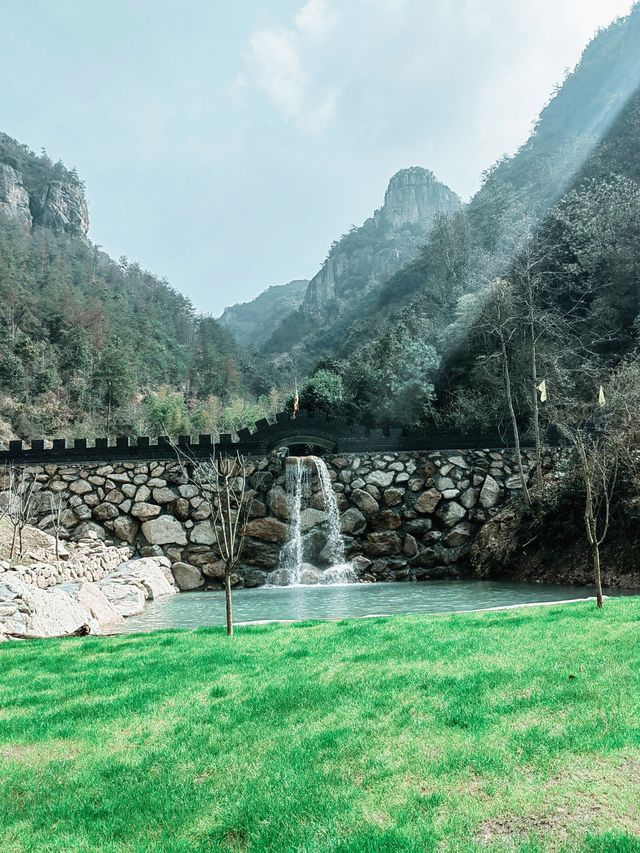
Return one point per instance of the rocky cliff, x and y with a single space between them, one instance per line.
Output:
366 256
36 192
251 323
360 262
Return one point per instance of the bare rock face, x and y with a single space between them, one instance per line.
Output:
14 199
367 256
64 208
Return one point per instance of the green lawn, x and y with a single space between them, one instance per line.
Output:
513 730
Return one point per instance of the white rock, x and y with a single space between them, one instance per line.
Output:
164 530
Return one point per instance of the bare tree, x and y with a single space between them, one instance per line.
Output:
22 492
57 514
222 481
500 323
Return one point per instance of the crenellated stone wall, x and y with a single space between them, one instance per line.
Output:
404 515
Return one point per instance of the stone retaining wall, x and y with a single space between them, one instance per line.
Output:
405 515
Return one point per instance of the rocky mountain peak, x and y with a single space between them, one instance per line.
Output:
414 196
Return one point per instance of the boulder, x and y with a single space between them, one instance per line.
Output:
470 498
309 575
203 534
311 518
128 598
88 529
392 497
187 577
490 493
149 573
95 603
460 535
387 519
352 521
164 495
214 569
106 512
144 511
266 529
381 479
80 487
410 547
277 502
254 577
364 501
263 554
29 611
126 528
164 530
450 513
428 501
382 543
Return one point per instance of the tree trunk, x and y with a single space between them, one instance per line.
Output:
514 420
536 413
595 552
227 598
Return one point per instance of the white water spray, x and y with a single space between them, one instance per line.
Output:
298 488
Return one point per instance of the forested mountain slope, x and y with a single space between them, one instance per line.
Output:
570 193
252 323
358 264
85 340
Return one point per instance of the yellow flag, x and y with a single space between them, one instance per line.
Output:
601 398
542 388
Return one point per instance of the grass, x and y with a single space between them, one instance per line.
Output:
515 730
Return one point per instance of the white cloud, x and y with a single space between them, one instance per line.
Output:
275 65
315 18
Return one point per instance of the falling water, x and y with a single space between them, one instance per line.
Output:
339 570
298 487
297 484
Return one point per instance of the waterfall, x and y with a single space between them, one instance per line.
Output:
298 487
297 482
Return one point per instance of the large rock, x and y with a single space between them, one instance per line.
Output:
14 199
203 534
381 479
428 501
310 518
262 554
490 493
450 513
106 512
64 208
95 603
164 495
382 544
364 501
267 529
309 575
277 502
149 573
29 611
143 510
126 528
460 535
164 530
128 597
352 521
187 577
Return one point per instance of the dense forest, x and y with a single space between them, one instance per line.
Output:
90 346
558 220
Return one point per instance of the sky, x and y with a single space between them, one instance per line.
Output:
225 145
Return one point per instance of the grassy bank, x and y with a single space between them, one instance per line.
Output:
513 730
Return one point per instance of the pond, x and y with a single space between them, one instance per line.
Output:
196 609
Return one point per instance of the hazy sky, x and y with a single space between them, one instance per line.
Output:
226 144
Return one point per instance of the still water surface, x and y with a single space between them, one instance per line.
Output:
195 609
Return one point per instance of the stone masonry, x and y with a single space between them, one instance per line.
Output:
404 515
